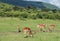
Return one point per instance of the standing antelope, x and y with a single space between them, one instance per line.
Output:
18 27
51 27
27 30
42 27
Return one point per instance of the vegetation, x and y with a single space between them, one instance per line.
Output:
29 12
26 3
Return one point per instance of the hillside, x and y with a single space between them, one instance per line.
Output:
8 10
40 5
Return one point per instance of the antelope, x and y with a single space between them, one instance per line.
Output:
42 27
51 27
18 27
27 30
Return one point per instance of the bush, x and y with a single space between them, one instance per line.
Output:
39 16
51 16
57 16
33 16
23 15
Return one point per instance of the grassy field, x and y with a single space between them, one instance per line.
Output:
8 30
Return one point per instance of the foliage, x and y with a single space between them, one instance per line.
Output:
7 10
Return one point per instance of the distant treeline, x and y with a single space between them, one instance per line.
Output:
28 12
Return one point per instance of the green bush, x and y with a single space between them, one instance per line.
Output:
39 16
28 12
23 15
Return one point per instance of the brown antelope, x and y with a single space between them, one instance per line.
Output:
51 27
27 30
18 27
42 27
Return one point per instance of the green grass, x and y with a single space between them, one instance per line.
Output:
8 30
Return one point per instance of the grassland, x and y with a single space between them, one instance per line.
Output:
8 30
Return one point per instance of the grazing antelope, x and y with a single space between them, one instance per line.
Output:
27 30
18 27
42 27
51 27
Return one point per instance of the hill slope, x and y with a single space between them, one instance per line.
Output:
7 10
40 5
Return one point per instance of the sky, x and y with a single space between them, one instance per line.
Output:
54 2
